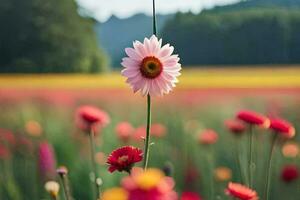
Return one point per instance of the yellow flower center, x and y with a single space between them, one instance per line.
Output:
151 67
122 159
149 179
115 194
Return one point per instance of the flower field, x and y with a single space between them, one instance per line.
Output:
200 136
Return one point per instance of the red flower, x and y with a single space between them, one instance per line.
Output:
124 158
7 137
208 136
124 131
253 118
282 127
4 153
290 173
240 192
88 117
235 126
139 133
158 130
190 196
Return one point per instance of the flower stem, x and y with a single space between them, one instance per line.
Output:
154 19
147 141
66 187
251 163
238 160
96 192
267 185
210 160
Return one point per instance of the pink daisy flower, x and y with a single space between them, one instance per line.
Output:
150 67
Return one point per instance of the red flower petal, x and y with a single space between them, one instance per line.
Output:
283 127
124 158
253 118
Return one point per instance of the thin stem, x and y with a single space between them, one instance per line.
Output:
54 197
212 167
96 192
267 185
147 141
66 187
154 19
238 160
251 163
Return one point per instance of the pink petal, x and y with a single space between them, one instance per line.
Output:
133 54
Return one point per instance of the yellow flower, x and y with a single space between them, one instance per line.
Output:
149 178
115 194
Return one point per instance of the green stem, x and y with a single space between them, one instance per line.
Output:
66 187
96 192
147 141
154 19
238 159
251 163
212 167
268 178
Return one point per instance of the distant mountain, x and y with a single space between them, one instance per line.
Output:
116 34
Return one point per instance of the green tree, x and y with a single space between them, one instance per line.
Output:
47 36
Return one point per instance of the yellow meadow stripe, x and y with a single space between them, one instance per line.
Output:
191 78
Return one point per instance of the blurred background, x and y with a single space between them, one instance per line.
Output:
57 55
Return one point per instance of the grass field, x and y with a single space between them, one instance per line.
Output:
246 77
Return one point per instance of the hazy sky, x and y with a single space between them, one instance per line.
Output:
102 9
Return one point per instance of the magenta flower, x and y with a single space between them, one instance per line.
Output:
47 161
151 68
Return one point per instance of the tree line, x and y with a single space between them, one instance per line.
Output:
47 36
249 36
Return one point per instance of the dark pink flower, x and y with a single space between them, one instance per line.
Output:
290 173
124 158
47 161
190 196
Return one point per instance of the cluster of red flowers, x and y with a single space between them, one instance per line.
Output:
246 117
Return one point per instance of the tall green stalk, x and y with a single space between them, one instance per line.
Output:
251 163
66 186
238 160
269 167
96 191
211 163
147 140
